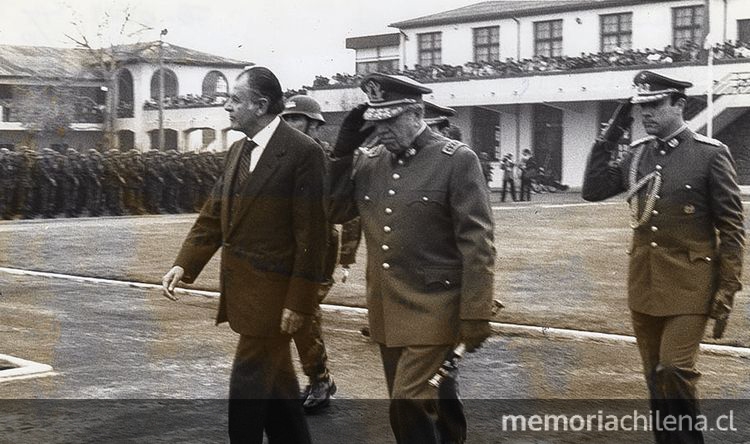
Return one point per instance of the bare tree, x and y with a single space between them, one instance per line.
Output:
108 52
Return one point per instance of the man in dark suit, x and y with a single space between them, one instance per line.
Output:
267 213
426 216
688 240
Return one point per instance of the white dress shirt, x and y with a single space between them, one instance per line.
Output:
261 139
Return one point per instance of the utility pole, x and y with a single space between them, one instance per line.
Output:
161 88
708 44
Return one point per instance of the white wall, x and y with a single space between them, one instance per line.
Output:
652 28
190 81
736 10
579 131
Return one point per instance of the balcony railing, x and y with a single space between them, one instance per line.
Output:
540 65
186 101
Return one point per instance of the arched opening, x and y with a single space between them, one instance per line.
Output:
171 87
124 94
126 140
170 139
215 85
200 139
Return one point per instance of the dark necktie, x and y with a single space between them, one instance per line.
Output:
243 166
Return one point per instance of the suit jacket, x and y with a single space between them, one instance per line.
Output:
272 233
677 259
429 231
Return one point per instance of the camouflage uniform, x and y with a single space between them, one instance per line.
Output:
112 182
43 176
153 182
7 177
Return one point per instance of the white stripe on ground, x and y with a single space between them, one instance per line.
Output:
499 328
521 206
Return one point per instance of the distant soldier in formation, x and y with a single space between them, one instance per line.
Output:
49 183
7 177
112 183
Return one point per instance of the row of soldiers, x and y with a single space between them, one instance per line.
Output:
49 184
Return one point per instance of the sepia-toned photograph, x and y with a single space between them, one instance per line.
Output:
330 221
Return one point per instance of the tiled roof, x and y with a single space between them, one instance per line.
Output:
75 63
45 62
492 10
148 51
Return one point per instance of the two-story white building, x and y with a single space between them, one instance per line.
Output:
195 86
545 74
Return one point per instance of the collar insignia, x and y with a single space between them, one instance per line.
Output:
673 143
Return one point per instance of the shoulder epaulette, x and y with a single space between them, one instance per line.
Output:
451 147
706 140
642 140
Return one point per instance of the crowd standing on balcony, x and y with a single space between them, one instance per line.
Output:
51 184
186 101
689 52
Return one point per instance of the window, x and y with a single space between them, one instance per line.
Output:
170 84
6 116
215 84
487 44
6 92
743 31
687 25
430 48
548 38
364 68
616 31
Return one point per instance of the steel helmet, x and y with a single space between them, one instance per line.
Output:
301 104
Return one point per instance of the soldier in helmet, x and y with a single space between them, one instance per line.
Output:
688 241
7 177
133 172
112 182
24 192
70 182
44 176
153 181
303 114
93 172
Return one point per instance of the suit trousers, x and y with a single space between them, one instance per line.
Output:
418 414
669 348
264 394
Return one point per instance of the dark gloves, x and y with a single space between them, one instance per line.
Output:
473 333
351 135
618 124
721 306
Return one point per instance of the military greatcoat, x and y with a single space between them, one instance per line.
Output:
686 212
429 232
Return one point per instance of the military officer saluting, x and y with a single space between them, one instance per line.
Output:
428 225
688 239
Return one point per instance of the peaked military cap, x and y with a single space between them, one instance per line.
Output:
435 114
653 87
390 95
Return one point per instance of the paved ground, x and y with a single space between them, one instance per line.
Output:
132 366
